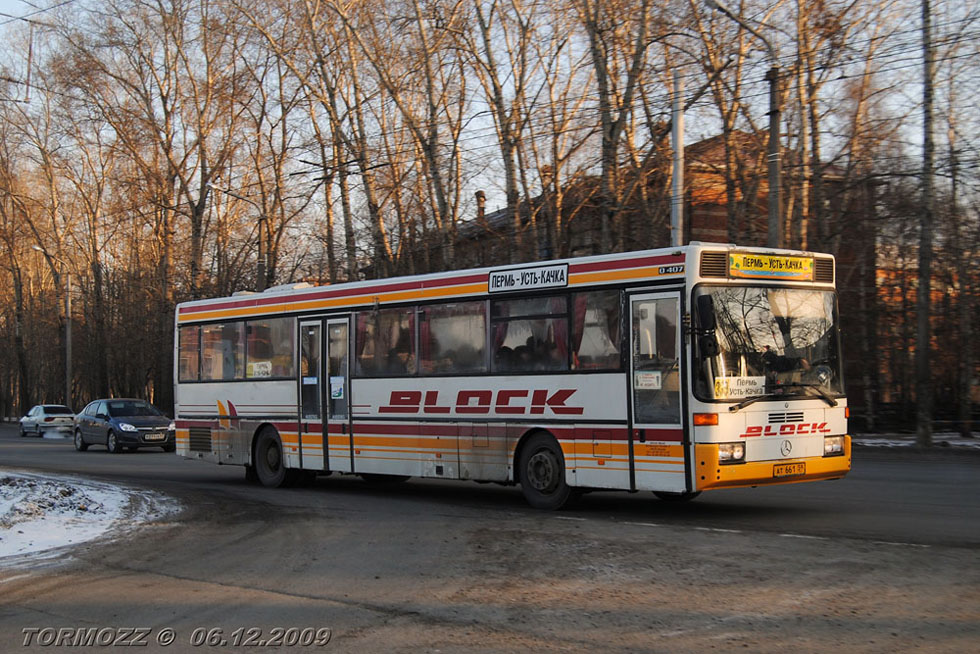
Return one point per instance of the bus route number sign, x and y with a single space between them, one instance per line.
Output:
519 279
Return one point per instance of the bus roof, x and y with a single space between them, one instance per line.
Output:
623 267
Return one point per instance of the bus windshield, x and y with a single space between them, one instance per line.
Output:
766 341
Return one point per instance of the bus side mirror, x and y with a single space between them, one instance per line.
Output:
706 313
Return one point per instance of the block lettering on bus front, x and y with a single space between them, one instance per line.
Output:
787 430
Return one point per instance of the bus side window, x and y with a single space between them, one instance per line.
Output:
596 336
452 338
385 343
223 351
271 348
190 354
530 335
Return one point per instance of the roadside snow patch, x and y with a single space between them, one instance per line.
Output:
40 513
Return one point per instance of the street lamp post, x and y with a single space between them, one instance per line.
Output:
261 264
67 274
775 236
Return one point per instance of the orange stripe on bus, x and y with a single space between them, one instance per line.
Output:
399 296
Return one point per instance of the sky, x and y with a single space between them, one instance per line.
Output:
16 8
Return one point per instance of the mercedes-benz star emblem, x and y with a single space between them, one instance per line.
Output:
785 448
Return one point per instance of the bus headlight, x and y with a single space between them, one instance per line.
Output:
731 453
833 445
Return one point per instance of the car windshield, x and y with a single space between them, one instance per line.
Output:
131 409
767 340
57 410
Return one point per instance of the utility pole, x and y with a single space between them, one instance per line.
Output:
677 194
775 230
67 274
261 265
923 374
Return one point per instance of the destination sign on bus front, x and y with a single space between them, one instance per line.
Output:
768 266
519 279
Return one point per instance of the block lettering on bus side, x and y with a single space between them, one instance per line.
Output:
403 402
432 403
556 402
503 402
464 401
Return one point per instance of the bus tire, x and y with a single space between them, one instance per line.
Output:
542 473
251 476
676 497
270 460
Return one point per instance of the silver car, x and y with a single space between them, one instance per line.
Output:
47 419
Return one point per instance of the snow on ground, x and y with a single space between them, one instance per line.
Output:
42 515
939 439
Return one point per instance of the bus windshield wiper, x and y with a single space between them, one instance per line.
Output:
816 387
752 400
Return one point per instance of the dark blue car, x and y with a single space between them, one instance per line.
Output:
123 424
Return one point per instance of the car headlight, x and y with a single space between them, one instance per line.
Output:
731 453
172 426
833 445
125 426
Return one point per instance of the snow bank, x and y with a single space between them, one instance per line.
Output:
41 515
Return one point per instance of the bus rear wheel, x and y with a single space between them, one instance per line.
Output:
542 473
270 461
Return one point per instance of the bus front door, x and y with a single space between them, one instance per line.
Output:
656 430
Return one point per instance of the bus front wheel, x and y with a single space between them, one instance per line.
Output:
270 461
542 471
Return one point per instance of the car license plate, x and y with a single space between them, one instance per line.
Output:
155 437
788 469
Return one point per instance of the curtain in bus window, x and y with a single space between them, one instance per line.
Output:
595 330
223 351
271 348
452 338
502 357
189 365
364 344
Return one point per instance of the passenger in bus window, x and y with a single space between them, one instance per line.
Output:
503 359
783 363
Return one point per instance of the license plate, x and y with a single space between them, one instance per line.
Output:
155 437
788 469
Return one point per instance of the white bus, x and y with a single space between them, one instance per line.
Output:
674 371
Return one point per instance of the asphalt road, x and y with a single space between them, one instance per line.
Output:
879 561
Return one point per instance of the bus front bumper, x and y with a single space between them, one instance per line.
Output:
710 474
